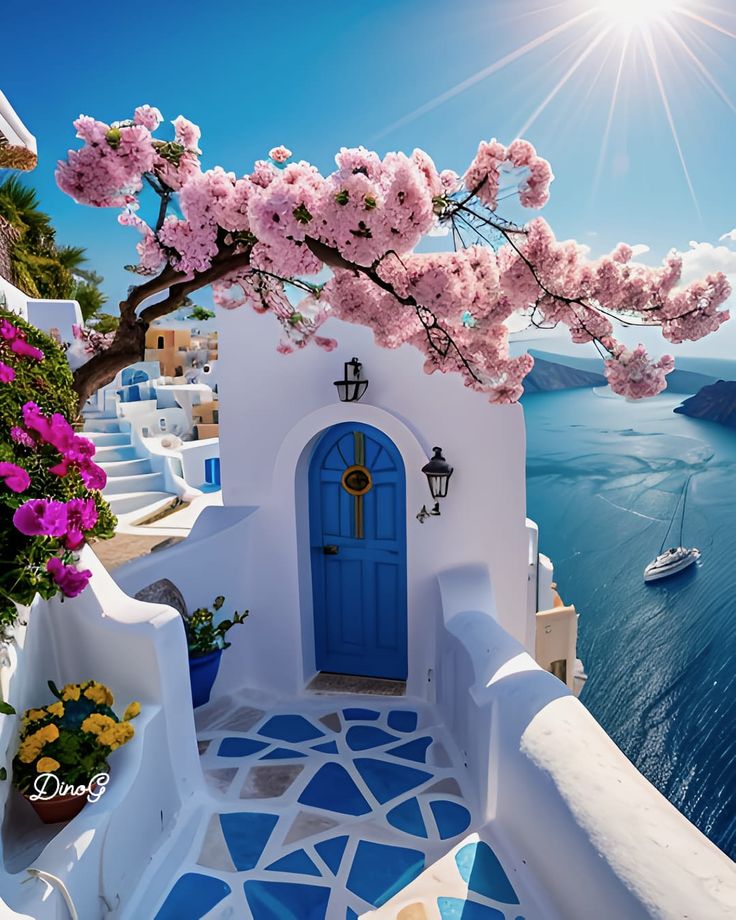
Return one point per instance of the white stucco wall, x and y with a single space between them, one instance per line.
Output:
274 408
55 314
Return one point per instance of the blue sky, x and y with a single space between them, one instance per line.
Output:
320 75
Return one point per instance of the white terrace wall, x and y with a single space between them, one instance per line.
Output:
139 651
598 838
274 408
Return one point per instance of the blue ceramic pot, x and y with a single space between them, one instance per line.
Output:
202 672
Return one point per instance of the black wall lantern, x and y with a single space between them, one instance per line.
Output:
438 472
351 388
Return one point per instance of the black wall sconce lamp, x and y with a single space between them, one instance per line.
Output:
438 472
352 387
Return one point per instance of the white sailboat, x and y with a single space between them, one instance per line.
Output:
677 558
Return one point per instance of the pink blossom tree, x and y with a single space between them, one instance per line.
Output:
254 237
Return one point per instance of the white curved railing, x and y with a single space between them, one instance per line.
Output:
139 650
600 839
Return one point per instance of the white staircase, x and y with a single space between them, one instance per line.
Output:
134 489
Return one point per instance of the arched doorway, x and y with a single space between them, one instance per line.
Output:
357 505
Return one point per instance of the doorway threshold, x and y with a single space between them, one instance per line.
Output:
326 682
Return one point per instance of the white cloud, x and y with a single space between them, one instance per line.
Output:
731 235
639 249
705 258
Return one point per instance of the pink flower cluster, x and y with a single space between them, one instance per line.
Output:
633 374
44 517
371 212
14 339
107 171
483 176
94 342
76 452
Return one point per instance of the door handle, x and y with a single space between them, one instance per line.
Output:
330 549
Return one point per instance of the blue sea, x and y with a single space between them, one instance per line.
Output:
604 476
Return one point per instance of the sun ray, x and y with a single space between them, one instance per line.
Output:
484 73
611 111
582 57
705 73
652 54
706 22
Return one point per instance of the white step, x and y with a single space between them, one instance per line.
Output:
107 438
93 425
132 467
147 482
128 502
105 455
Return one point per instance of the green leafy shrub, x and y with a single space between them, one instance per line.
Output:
49 485
203 635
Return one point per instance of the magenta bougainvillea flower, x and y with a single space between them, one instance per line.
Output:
7 374
24 350
76 452
8 331
16 478
20 436
71 581
17 342
41 517
81 515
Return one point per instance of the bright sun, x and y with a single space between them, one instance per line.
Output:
634 12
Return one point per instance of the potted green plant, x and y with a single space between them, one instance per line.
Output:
206 641
63 750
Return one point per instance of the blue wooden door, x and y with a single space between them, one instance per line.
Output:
358 542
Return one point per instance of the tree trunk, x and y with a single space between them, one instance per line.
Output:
128 347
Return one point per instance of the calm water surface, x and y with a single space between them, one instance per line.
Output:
604 476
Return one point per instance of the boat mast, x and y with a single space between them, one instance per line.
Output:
682 498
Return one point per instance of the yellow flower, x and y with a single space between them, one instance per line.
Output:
97 722
47 733
56 709
32 746
132 711
29 750
70 692
99 694
33 715
116 736
47 765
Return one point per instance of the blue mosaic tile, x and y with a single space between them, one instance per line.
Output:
362 737
286 900
192 897
350 914
332 788
452 819
481 870
379 871
407 817
455 909
290 728
361 715
240 747
298 861
401 720
329 747
387 780
281 754
332 851
413 750
246 835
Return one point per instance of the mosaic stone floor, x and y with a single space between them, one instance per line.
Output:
326 810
